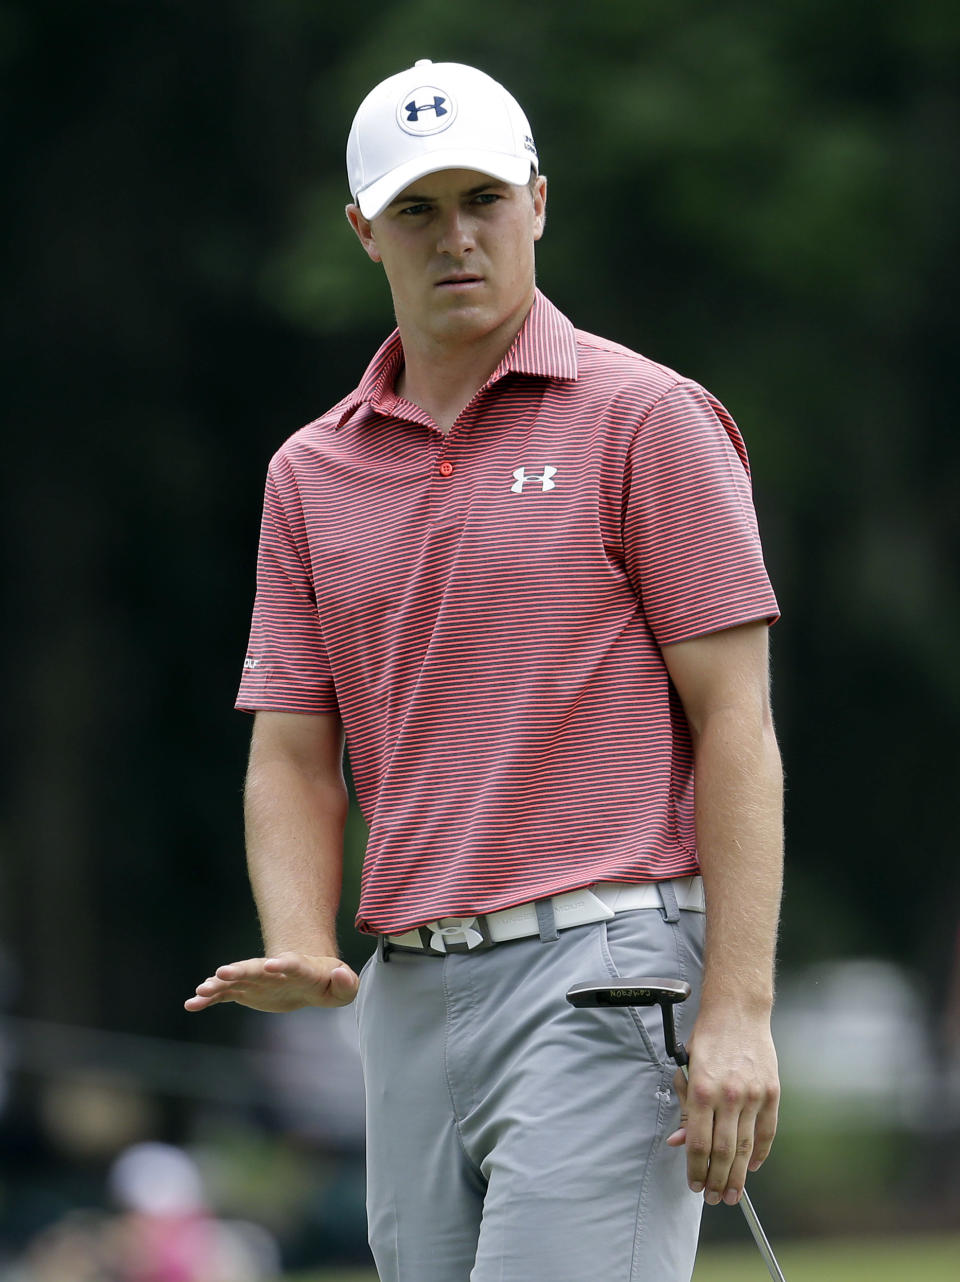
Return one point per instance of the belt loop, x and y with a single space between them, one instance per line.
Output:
547 921
383 948
668 897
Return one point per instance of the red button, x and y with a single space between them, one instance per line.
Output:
446 469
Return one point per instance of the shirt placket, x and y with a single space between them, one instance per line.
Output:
449 489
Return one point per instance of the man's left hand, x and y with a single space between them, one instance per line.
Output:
729 1105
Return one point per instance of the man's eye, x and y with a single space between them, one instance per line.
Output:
414 209
487 197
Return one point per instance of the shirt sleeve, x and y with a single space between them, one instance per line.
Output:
691 542
286 668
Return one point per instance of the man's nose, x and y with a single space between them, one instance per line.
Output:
456 233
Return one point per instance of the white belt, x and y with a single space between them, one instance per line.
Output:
595 903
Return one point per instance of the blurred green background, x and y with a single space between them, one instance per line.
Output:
765 197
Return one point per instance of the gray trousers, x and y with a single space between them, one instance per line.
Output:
512 1138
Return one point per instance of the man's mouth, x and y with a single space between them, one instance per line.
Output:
460 279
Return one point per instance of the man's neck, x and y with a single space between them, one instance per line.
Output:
442 376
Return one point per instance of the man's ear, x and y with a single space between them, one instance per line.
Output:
539 206
364 231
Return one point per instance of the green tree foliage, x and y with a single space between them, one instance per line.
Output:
763 196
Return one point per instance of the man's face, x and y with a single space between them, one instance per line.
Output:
458 251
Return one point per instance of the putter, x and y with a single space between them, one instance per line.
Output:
665 993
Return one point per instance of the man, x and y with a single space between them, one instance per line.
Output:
519 567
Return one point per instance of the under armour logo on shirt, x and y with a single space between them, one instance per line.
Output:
545 479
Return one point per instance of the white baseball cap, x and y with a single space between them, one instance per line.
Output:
437 115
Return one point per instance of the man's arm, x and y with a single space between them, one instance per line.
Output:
731 1102
295 807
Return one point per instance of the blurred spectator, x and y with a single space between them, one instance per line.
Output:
164 1233
169 1235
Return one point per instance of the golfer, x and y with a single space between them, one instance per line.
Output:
518 569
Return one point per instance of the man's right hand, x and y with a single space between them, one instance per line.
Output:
287 982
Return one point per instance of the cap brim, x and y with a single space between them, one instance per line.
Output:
374 199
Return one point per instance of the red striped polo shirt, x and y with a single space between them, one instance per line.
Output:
485 611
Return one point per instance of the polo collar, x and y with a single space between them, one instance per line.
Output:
545 347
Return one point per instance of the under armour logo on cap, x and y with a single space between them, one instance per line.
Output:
426 110
413 111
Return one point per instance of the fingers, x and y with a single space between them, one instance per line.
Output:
726 1133
196 1003
225 985
719 1142
764 1132
206 996
697 1118
732 1146
236 972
